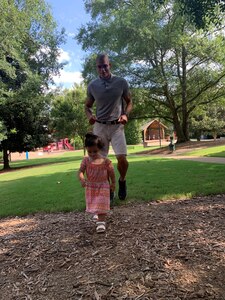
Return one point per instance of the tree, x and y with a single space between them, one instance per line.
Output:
67 113
133 132
28 60
2 132
161 52
203 12
209 120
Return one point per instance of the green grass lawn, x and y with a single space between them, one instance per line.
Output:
54 187
65 157
217 151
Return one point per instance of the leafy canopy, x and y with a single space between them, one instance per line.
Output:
29 51
156 47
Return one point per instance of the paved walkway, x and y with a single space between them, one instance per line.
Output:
217 160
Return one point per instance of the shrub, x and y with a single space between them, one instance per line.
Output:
133 132
78 143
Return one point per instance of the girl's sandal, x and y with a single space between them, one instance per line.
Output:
95 218
100 227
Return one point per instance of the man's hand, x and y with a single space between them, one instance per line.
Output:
123 119
92 120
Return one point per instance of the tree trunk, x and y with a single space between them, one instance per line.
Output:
214 135
6 159
181 125
185 126
181 137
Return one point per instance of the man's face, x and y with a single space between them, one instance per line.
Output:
103 67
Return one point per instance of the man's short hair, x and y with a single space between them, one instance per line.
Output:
101 56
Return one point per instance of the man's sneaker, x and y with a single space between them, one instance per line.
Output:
122 193
112 197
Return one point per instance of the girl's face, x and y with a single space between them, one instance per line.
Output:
93 152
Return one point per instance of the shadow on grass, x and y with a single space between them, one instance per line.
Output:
170 250
168 179
34 163
218 154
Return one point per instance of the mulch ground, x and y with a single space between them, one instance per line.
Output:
159 251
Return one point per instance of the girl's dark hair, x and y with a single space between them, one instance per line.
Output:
93 140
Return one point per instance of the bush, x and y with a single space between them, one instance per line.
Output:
133 132
78 143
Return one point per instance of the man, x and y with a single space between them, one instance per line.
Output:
113 105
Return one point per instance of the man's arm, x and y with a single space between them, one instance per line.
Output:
88 110
124 118
129 104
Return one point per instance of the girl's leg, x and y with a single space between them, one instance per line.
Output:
101 217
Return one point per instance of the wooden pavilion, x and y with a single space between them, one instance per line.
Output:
154 131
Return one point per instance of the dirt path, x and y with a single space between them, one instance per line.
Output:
180 153
217 160
157 251
183 149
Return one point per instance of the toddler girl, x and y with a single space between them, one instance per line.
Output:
97 175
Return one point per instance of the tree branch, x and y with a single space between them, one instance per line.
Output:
206 87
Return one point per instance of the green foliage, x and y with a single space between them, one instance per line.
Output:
29 49
27 129
2 132
209 120
133 132
159 51
67 113
203 12
78 142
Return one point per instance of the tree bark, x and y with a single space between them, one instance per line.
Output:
6 159
184 94
180 118
181 138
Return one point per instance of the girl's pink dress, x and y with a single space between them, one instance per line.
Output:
97 185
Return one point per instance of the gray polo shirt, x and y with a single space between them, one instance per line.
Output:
108 95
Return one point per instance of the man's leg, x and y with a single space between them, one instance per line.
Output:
118 141
122 166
